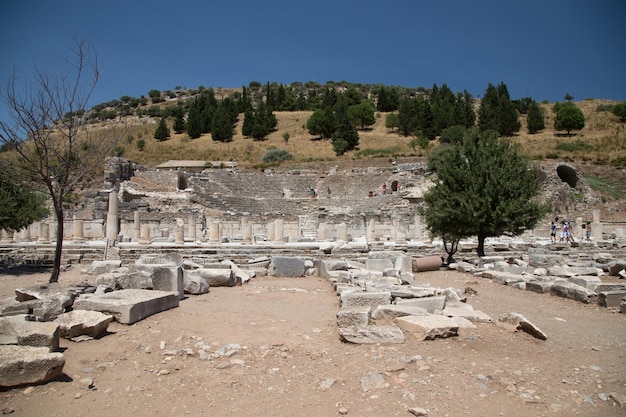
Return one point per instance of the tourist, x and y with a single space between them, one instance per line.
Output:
552 232
588 232
384 188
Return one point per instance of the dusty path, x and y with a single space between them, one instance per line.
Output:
287 359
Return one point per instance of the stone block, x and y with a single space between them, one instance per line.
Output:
541 287
379 265
25 365
19 331
129 306
519 322
101 267
564 288
505 278
287 266
215 277
430 304
611 298
589 282
390 312
83 323
371 299
353 316
195 284
428 327
168 278
372 334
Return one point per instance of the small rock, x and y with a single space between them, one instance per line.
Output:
418 411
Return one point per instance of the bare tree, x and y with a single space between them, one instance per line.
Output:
48 139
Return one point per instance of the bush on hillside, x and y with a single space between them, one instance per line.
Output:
274 156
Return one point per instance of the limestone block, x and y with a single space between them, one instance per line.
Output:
168 278
390 312
83 322
611 298
215 277
195 284
169 258
428 327
404 265
18 330
24 365
371 299
544 260
100 267
430 304
139 280
589 282
505 278
339 276
611 286
129 306
379 265
372 334
240 275
353 316
564 288
459 309
617 266
541 287
522 323
287 266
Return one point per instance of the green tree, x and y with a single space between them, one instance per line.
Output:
388 99
408 116
568 118
321 123
248 122
497 111
162 132
194 122
362 114
620 111
346 138
56 153
222 125
141 144
483 188
179 123
535 119
453 135
391 121
19 205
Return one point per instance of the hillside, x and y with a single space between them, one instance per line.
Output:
602 141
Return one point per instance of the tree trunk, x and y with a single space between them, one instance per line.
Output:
481 245
451 248
56 265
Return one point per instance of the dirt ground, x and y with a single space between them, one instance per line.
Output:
285 359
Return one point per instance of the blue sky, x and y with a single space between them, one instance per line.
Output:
543 49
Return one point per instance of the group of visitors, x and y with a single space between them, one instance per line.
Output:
566 234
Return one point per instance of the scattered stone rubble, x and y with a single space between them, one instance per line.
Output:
380 300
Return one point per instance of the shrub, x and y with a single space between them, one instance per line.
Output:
141 144
579 145
275 156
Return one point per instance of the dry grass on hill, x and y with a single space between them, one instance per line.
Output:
602 141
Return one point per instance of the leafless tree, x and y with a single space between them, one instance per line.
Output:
47 136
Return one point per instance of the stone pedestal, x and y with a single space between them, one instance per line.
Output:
371 230
136 226
246 233
270 231
278 230
144 235
342 232
25 234
6 236
112 217
596 226
44 233
191 227
214 231
78 230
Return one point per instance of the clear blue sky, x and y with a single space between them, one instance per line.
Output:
543 49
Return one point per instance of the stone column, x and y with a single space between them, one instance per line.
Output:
278 230
7 237
136 225
419 234
44 232
214 231
270 231
246 233
144 235
179 236
25 234
321 231
191 229
371 230
596 226
78 230
112 216
342 232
